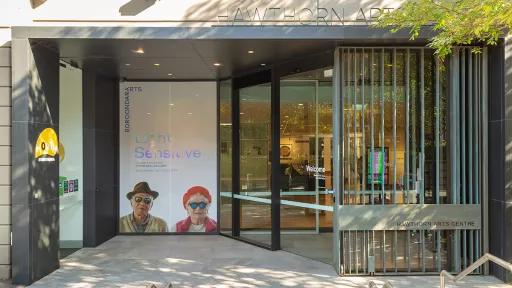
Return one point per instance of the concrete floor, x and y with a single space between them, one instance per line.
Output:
210 261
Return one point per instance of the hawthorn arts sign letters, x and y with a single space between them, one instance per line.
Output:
409 217
251 15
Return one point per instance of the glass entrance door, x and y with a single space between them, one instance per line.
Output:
276 165
245 155
255 163
305 173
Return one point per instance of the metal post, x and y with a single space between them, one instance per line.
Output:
275 208
484 138
337 149
394 126
454 152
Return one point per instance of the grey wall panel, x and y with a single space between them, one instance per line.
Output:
507 126
5 271
5 96
5 116
5 233
45 225
5 162
5 216
5 175
5 254
5 57
499 140
507 205
20 251
5 195
5 155
508 77
42 97
100 158
5 76
34 183
5 135
20 157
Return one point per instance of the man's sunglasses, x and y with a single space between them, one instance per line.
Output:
194 205
147 200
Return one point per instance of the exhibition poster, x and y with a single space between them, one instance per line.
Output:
168 150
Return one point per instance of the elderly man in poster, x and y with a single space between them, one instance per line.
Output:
196 202
140 221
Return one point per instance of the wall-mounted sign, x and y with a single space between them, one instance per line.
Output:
409 217
289 15
318 172
47 146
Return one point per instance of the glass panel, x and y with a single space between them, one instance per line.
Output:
255 222
414 144
306 163
430 129
71 161
401 180
226 149
255 164
444 192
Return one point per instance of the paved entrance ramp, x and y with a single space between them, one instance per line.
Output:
209 261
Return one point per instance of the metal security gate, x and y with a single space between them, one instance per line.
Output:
409 133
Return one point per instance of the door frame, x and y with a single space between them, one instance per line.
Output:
272 74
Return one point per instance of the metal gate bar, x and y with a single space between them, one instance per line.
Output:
361 69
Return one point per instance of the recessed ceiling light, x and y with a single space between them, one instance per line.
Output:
148 113
157 64
216 64
170 74
127 64
250 51
139 51
189 113
171 104
244 99
300 104
242 113
263 64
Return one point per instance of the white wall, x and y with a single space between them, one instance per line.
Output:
71 165
172 13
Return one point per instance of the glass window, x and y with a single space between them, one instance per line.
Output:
71 160
226 156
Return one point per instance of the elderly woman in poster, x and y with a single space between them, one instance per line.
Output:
196 202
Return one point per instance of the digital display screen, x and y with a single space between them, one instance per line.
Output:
377 159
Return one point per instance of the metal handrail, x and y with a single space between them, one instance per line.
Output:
372 284
472 267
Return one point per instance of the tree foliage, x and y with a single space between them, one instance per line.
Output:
457 22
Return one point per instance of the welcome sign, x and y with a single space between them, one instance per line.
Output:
168 157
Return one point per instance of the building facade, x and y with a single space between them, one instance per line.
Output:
297 127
